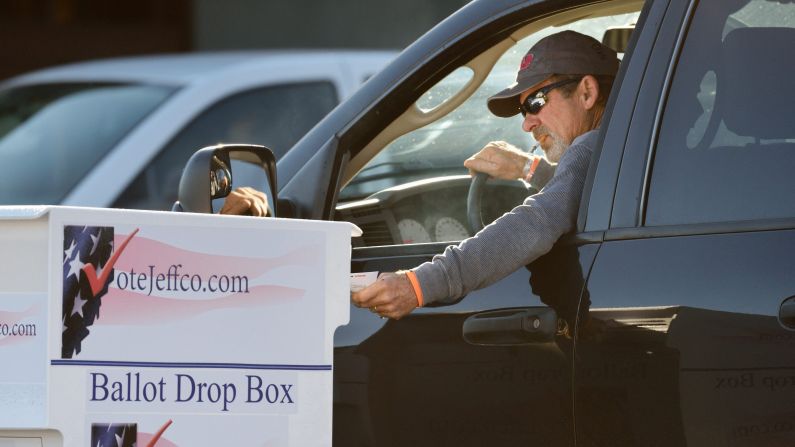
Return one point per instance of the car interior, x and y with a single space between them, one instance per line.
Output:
408 184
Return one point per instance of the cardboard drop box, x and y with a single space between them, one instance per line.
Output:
124 328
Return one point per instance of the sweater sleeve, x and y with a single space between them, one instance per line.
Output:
515 239
543 174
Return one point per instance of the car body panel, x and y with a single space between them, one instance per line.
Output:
471 395
713 367
683 341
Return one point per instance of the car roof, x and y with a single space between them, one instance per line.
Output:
183 69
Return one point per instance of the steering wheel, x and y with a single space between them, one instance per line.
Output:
474 199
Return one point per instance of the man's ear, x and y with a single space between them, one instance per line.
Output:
588 91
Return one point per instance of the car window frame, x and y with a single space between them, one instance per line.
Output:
621 82
640 141
384 97
599 192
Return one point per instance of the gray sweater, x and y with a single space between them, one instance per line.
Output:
517 238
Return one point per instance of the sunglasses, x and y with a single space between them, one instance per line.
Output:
535 101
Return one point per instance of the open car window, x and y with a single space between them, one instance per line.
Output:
414 190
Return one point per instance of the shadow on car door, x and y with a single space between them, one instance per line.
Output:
417 382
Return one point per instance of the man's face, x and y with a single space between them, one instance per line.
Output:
558 122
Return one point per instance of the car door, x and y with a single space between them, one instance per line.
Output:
459 392
417 381
685 334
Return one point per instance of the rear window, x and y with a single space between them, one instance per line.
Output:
52 135
726 149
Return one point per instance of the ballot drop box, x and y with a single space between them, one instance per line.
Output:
133 328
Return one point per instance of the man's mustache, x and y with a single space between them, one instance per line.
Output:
540 131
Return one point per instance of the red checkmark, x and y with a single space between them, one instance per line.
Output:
159 433
97 284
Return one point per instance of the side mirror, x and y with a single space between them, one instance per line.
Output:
208 175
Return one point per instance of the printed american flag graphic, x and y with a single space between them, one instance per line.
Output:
114 435
82 296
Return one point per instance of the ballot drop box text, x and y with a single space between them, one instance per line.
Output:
133 328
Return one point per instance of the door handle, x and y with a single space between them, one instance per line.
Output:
786 313
511 327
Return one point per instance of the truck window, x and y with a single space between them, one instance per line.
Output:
726 147
440 148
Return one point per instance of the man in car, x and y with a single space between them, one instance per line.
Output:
561 89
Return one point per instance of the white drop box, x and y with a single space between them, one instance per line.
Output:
122 327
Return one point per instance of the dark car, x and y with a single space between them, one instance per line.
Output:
674 300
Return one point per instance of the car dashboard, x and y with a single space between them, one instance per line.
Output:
425 211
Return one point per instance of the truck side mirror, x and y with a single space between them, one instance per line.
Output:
209 175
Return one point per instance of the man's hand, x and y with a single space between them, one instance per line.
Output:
390 296
499 160
246 201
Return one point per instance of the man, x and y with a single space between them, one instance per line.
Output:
561 89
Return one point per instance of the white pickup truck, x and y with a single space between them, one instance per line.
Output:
117 132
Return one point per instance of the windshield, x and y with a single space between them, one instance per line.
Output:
52 135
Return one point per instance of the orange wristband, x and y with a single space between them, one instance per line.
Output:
530 168
415 284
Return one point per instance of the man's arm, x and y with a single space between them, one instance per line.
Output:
502 160
391 296
514 240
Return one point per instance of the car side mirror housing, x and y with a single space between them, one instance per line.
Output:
208 175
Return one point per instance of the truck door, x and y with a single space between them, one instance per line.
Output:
417 381
687 337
